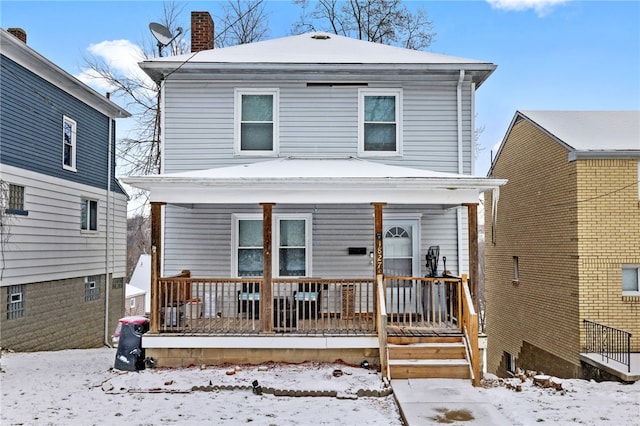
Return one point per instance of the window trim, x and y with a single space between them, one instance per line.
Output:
631 292
237 146
275 258
364 92
74 129
277 218
88 200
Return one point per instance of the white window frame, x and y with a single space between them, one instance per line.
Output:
276 244
132 303
88 201
276 218
632 292
237 147
72 123
362 93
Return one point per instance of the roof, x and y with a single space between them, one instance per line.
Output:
312 50
141 277
591 130
133 291
19 52
313 180
592 134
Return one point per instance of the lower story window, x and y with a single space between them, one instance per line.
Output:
15 301
291 245
92 288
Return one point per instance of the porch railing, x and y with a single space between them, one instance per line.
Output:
381 326
234 305
610 342
469 326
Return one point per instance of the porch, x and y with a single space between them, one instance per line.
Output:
278 310
389 322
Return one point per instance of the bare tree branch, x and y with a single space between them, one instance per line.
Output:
379 21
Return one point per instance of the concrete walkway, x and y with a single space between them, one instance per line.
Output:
444 401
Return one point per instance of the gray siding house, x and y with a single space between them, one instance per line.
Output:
302 177
63 213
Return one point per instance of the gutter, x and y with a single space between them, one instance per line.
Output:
460 167
107 245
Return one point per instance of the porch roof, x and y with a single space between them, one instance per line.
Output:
310 181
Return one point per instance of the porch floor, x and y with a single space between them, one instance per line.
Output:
613 367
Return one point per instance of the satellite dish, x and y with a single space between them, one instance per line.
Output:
163 35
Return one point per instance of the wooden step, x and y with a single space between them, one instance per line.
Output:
429 369
406 340
454 350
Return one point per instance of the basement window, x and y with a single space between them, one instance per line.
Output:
516 270
15 301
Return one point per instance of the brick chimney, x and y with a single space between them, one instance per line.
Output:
201 31
20 33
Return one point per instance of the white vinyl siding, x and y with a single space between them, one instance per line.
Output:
201 238
199 119
46 245
256 122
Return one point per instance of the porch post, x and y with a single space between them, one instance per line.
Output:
266 290
156 253
379 255
472 211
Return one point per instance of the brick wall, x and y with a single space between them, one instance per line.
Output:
56 316
536 221
138 308
201 31
609 233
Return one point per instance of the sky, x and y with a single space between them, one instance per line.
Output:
89 391
551 54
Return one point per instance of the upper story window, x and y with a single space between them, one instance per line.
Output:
68 144
631 280
89 215
256 122
379 122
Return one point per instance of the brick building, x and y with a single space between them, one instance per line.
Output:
563 239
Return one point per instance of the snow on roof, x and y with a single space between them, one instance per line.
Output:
141 277
312 168
132 291
318 47
591 130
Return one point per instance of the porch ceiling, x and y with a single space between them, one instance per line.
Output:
301 181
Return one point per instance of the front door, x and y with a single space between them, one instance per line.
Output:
401 259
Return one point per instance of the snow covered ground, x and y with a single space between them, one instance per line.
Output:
79 387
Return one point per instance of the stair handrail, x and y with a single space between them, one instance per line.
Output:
470 330
381 325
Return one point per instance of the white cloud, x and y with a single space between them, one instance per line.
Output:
122 57
542 7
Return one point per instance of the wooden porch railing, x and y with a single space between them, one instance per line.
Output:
469 326
381 326
234 305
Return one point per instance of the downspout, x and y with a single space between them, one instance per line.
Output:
460 168
108 246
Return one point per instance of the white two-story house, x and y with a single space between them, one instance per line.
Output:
309 185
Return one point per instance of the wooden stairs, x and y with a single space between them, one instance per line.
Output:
428 357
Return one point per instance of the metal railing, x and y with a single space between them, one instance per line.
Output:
610 342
